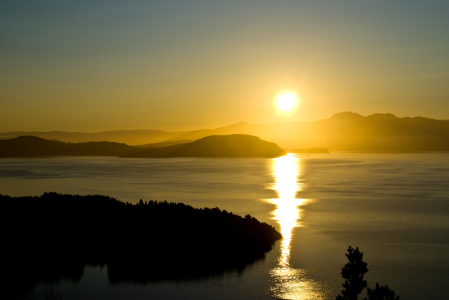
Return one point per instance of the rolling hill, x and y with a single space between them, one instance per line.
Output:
213 146
345 131
235 145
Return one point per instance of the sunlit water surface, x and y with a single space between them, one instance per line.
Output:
290 282
394 207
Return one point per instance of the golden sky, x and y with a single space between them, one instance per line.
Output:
181 65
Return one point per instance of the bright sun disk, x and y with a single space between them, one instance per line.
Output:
286 101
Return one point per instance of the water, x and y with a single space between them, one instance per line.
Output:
394 207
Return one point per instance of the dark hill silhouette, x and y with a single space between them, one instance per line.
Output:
31 146
212 146
148 152
129 137
345 131
166 144
235 145
25 146
53 236
238 128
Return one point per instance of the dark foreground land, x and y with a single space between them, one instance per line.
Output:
53 236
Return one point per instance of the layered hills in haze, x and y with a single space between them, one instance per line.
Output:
237 145
345 131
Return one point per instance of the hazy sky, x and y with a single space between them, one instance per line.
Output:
104 65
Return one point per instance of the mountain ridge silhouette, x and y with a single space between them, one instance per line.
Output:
212 146
345 131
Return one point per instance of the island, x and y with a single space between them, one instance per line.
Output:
234 145
53 236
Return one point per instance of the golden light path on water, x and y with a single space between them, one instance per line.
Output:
289 282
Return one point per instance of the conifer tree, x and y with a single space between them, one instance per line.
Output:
381 293
353 273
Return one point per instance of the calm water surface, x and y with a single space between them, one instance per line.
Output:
394 207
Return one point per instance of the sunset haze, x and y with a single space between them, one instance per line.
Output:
181 65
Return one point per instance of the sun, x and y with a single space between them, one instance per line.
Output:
286 101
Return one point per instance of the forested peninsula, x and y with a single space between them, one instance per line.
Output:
234 145
53 236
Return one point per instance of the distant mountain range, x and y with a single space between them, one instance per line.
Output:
345 131
236 145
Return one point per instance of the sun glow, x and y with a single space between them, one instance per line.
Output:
286 102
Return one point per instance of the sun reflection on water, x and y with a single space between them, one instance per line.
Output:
289 282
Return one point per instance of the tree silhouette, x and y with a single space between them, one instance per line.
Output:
381 293
353 273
